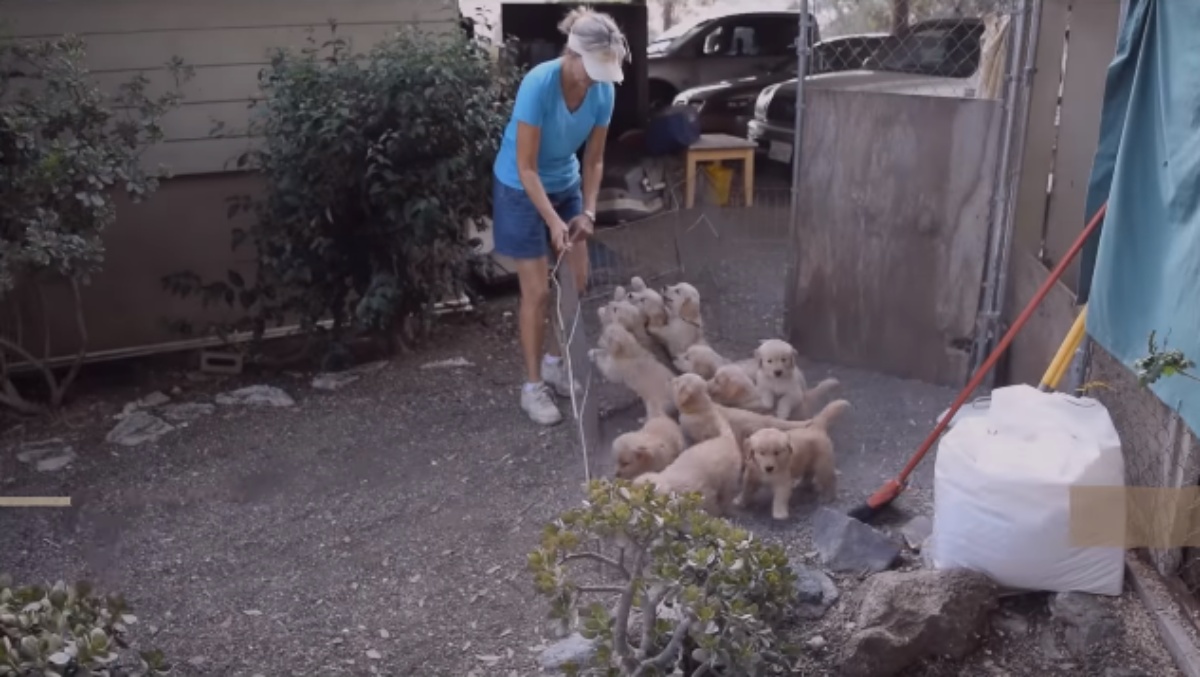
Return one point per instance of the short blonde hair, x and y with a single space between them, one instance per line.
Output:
595 31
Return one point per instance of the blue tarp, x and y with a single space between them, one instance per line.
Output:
1146 274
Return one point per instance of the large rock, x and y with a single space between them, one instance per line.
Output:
815 593
904 617
1089 624
845 544
47 455
574 650
186 412
138 428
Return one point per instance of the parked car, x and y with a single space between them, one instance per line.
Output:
934 58
722 48
726 107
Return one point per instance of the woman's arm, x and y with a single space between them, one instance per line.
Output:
529 138
593 167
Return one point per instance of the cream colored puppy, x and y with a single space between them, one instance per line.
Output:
621 359
732 386
685 326
651 449
628 316
649 301
701 419
783 460
700 359
713 467
782 384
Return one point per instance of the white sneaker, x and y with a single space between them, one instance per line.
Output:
555 374
537 403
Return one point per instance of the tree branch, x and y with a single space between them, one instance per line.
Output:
596 557
47 374
81 327
621 631
664 658
649 618
600 589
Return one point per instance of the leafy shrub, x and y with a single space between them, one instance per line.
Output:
67 631
64 145
694 594
373 162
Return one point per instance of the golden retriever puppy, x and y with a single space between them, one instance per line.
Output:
621 359
628 316
701 360
649 301
651 449
701 419
713 468
784 460
685 326
780 380
731 386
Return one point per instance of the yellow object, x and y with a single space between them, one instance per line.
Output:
717 148
720 178
1062 358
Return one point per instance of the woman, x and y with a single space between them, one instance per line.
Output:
543 206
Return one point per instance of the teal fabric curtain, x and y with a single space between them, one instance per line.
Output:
1142 272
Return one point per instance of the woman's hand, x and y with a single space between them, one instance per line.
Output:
581 228
559 236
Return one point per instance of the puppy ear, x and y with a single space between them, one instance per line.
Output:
619 293
690 310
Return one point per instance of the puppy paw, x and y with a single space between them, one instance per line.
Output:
779 514
739 501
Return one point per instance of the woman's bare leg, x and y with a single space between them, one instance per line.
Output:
533 278
577 258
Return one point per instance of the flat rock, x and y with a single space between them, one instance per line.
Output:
1089 625
845 544
916 531
905 617
451 363
815 593
154 399
334 380
574 650
257 396
185 412
137 428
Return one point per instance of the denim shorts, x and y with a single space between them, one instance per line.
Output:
519 230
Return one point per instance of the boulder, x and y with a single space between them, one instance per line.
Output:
905 617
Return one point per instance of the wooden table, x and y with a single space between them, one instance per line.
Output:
717 148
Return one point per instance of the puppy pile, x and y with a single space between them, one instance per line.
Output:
717 426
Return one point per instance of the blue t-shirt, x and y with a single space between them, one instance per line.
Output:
540 104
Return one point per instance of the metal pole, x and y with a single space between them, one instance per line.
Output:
1020 50
803 50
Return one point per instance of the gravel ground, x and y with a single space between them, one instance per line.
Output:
383 529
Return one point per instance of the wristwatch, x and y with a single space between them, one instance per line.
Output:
590 214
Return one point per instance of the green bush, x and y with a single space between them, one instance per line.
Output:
67 631
693 594
373 162
65 146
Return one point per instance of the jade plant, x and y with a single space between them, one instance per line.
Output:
662 588
67 631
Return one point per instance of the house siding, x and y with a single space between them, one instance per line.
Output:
226 42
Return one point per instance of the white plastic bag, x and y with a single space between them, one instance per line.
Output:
1001 492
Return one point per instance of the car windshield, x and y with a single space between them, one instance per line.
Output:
944 53
665 39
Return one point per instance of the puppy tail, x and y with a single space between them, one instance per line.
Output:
829 414
819 392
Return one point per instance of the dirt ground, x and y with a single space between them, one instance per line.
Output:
382 529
